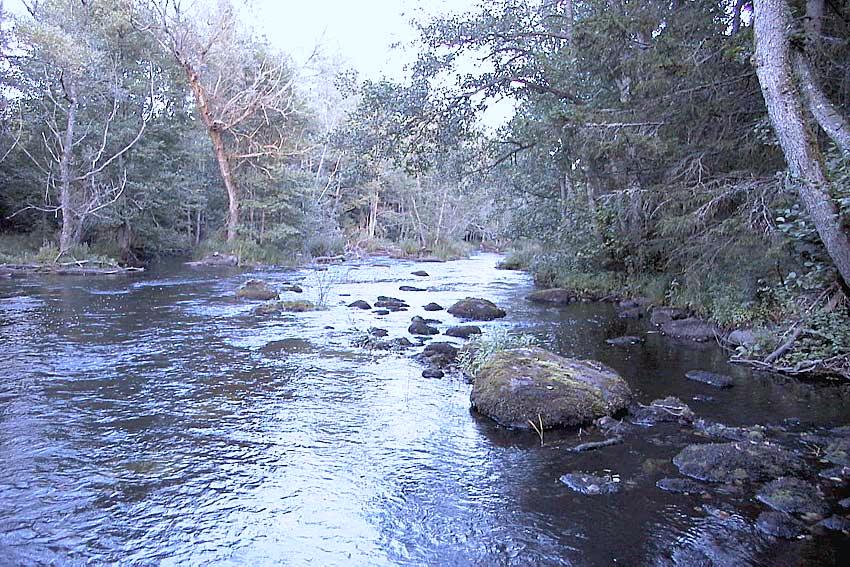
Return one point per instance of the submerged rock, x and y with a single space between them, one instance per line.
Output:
463 331
793 496
628 340
216 259
718 430
256 290
391 303
632 313
777 524
518 385
381 312
277 307
680 485
592 484
741 461
710 378
720 539
410 288
836 523
433 307
476 309
554 296
668 410
360 304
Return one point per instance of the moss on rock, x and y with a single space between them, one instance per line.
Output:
520 385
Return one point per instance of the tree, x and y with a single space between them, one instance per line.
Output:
776 61
243 91
84 98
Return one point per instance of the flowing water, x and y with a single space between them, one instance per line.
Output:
151 420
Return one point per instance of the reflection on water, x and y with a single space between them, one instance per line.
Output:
152 420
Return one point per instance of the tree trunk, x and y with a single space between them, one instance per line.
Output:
772 21
69 234
736 16
827 115
224 167
814 18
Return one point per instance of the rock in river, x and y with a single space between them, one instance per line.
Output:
518 385
277 307
433 307
668 410
680 486
463 331
741 461
778 524
628 340
256 290
710 378
793 496
476 309
420 273
419 327
690 329
410 288
360 304
554 296
591 484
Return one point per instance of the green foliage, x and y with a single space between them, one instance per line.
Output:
478 349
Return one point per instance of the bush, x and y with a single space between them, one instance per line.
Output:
477 350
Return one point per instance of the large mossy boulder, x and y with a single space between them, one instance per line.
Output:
520 385
256 290
476 309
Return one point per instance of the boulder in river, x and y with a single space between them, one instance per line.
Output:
277 307
710 378
476 309
360 304
738 461
690 329
592 484
554 296
419 327
439 353
526 384
256 290
215 259
793 496
433 307
463 331
391 303
432 373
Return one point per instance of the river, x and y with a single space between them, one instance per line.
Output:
151 420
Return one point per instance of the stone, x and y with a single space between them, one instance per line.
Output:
680 486
463 331
592 484
391 303
476 309
216 260
432 373
554 296
633 313
780 525
294 288
420 273
742 337
840 473
410 288
381 312
420 327
256 290
793 496
835 523
668 410
433 307
439 353
661 315
517 385
690 329
738 462
378 332
277 307
627 340
360 304
720 431
710 378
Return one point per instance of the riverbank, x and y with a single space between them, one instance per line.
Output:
804 333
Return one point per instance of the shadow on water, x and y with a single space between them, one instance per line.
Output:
152 419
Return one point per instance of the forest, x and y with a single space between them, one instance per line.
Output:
694 153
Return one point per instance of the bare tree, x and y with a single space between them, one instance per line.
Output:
243 93
775 68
